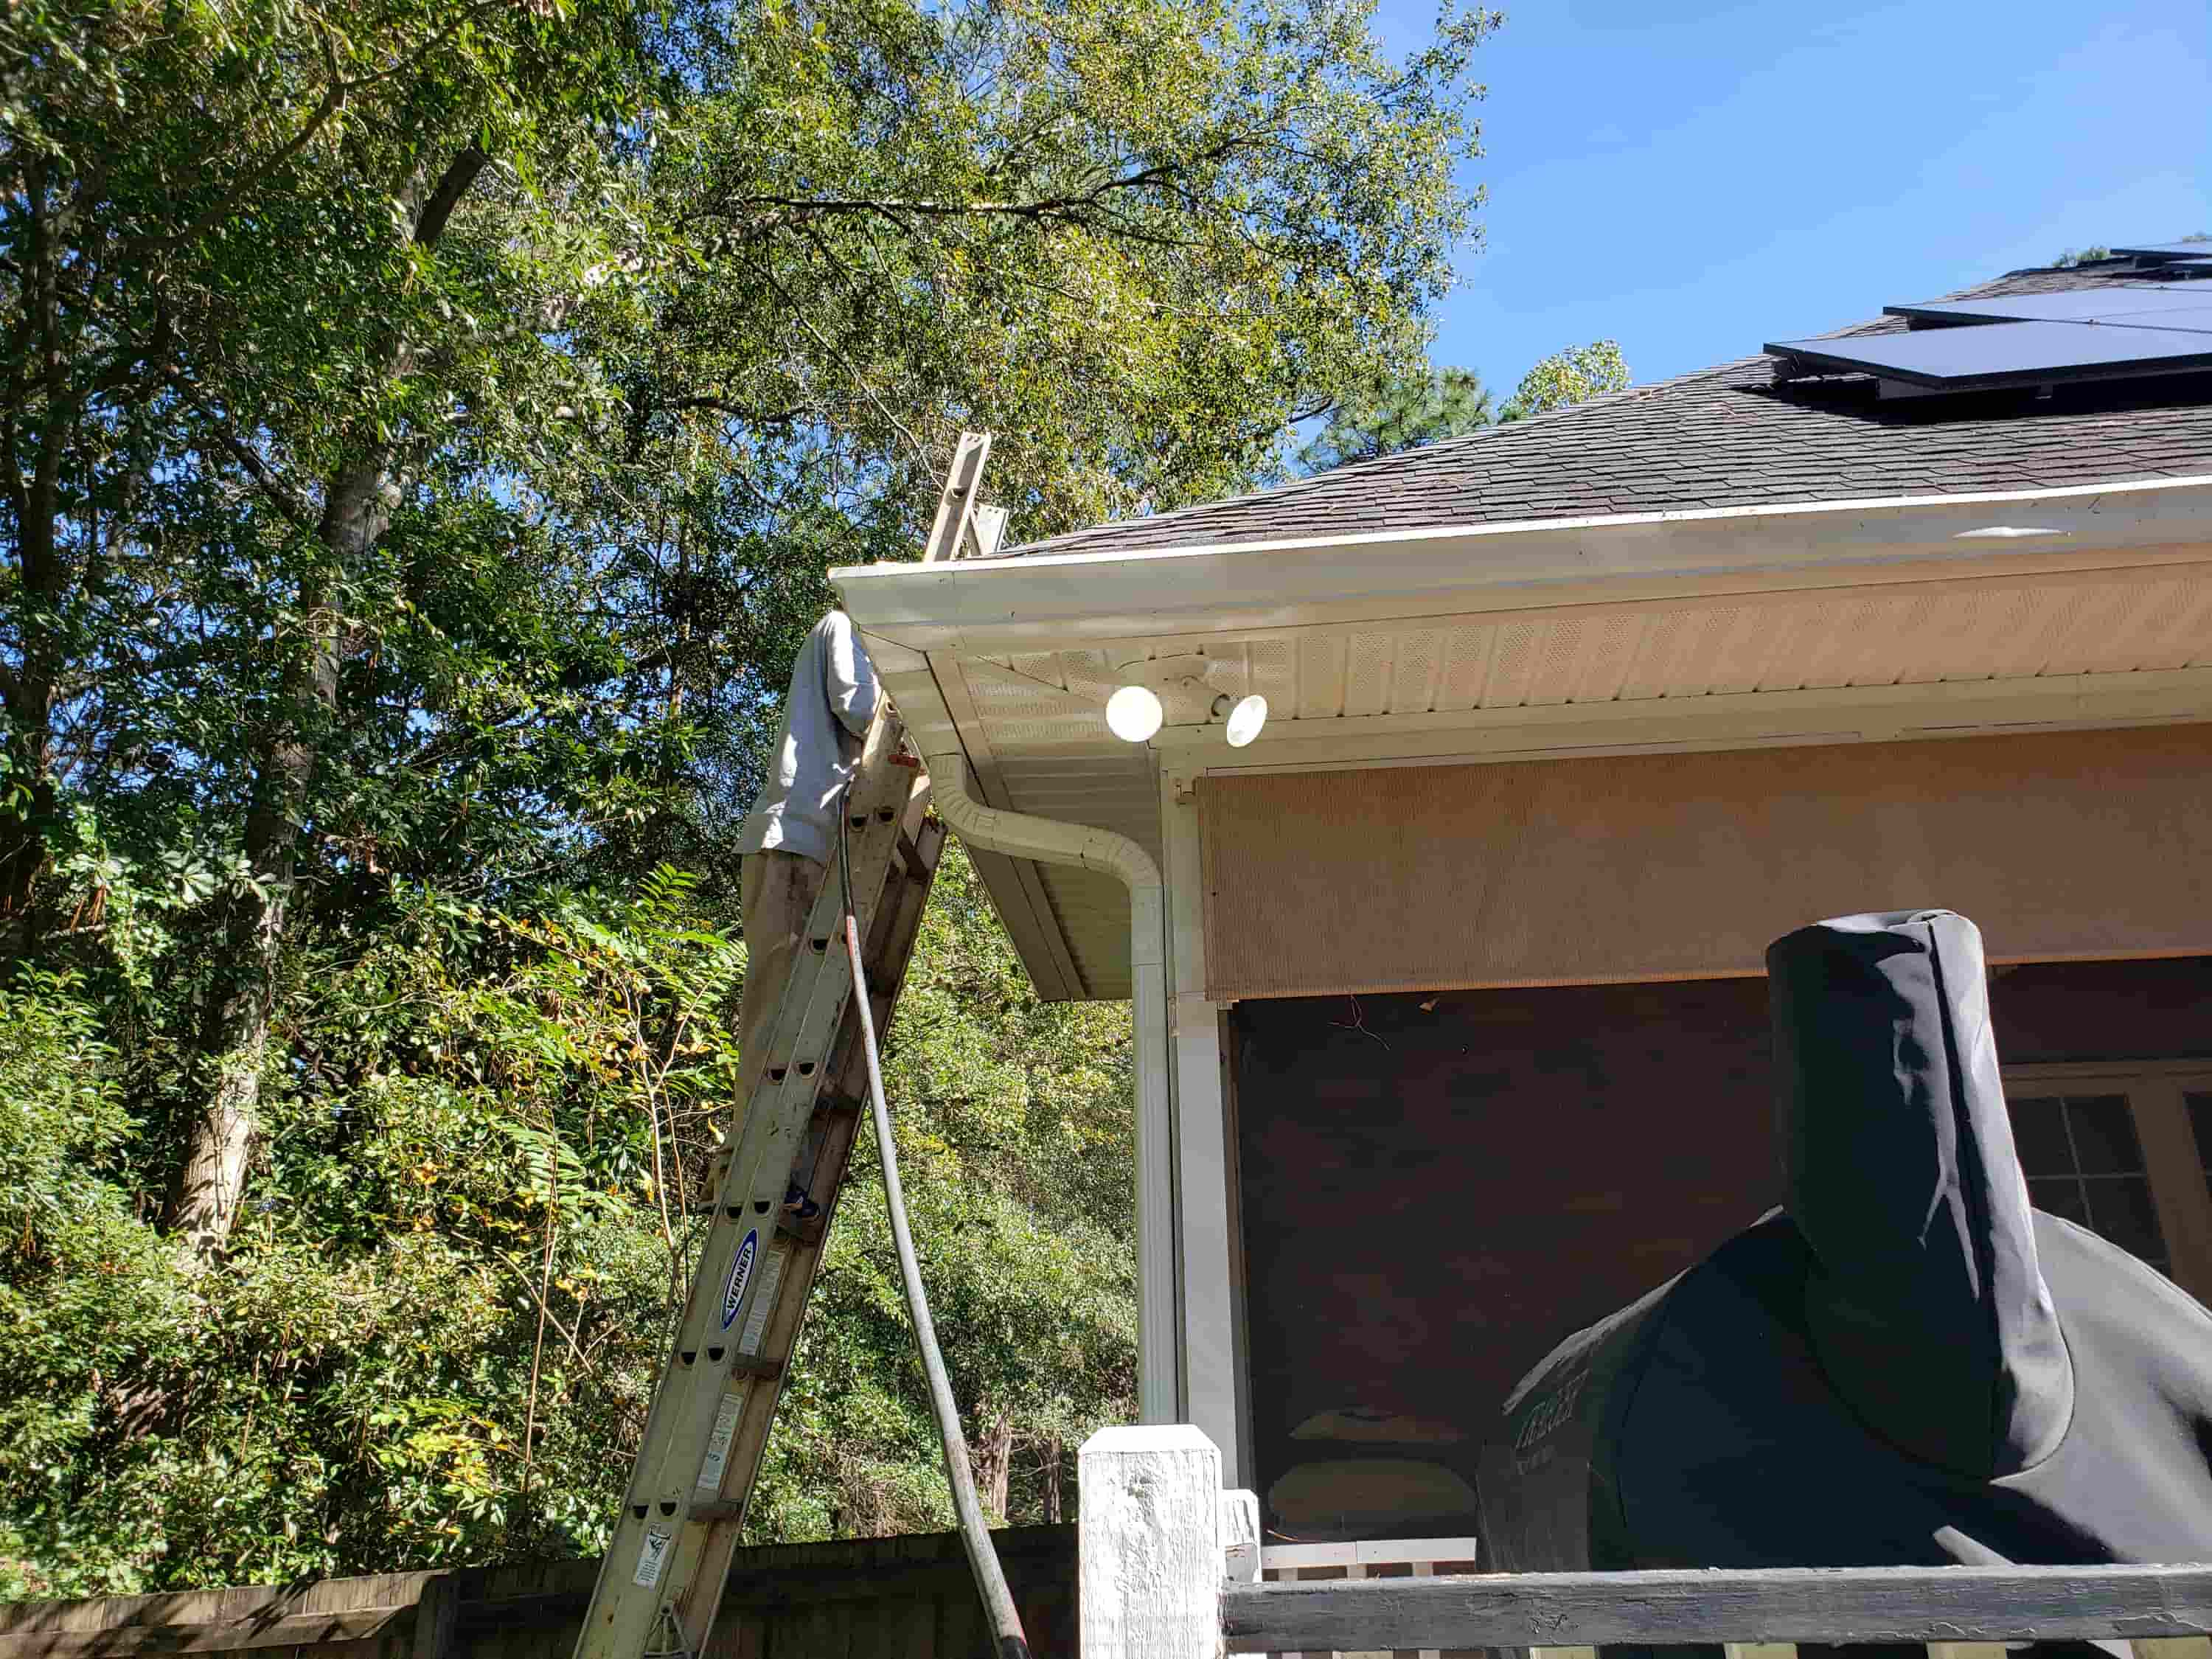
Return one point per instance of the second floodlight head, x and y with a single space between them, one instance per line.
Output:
1244 717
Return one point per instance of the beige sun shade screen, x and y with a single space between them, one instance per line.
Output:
2091 844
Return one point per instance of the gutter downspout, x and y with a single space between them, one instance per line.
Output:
1047 840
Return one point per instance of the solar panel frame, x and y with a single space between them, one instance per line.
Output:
1999 355
2187 319
2168 250
2106 304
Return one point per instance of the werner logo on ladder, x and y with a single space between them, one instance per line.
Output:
839 855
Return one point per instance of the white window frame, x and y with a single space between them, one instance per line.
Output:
2155 1089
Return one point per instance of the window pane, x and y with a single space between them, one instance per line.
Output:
2040 1131
2084 1162
2120 1208
2200 1117
2059 1195
2104 1134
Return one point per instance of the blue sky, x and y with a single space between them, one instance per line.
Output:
1693 178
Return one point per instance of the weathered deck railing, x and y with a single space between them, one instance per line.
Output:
1155 1526
1948 1607
1370 1558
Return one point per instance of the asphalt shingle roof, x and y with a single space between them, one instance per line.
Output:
1732 436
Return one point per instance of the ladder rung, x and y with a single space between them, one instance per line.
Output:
720 1509
787 1227
759 1367
707 1206
805 1232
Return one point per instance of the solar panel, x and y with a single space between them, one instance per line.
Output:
2005 354
2110 303
2169 251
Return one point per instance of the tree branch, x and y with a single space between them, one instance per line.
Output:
446 195
777 211
264 476
847 364
333 100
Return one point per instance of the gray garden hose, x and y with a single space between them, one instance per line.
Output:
975 1535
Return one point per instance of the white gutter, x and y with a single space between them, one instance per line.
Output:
1050 601
1049 841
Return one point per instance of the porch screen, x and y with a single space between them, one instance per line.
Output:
2060 845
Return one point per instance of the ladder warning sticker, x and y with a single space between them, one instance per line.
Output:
741 1269
749 1340
718 1444
652 1557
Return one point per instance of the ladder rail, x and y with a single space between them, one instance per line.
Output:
841 1133
900 924
731 1316
750 1195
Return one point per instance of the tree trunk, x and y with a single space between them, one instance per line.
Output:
23 841
203 1206
992 1460
40 410
357 504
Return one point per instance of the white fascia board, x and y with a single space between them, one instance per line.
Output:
1053 600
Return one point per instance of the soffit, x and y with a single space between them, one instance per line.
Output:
1313 679
2058 648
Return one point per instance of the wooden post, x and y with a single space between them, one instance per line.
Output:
1240 1537
1159 1359
1149 1543
437 1609
1209 1355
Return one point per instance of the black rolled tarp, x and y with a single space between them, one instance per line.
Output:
1906 1365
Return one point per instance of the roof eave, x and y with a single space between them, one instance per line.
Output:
1048 600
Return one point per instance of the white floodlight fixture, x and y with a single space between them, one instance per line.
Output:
1246 716
1133 713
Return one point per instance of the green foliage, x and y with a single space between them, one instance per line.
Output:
424 429
1399 412
84 1285
475 1172
467 1169
1569 377
2072 257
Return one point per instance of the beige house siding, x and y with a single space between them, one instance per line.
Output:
2061 845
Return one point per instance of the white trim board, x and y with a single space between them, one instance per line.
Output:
1048 601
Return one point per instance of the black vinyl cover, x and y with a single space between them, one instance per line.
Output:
1904 1365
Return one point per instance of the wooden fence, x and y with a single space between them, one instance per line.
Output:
901 1596
1164 1552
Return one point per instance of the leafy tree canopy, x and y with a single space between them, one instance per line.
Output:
424 429
1399 412
1564 377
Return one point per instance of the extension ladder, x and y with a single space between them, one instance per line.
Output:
665 1570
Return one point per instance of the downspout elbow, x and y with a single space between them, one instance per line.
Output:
1018 835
